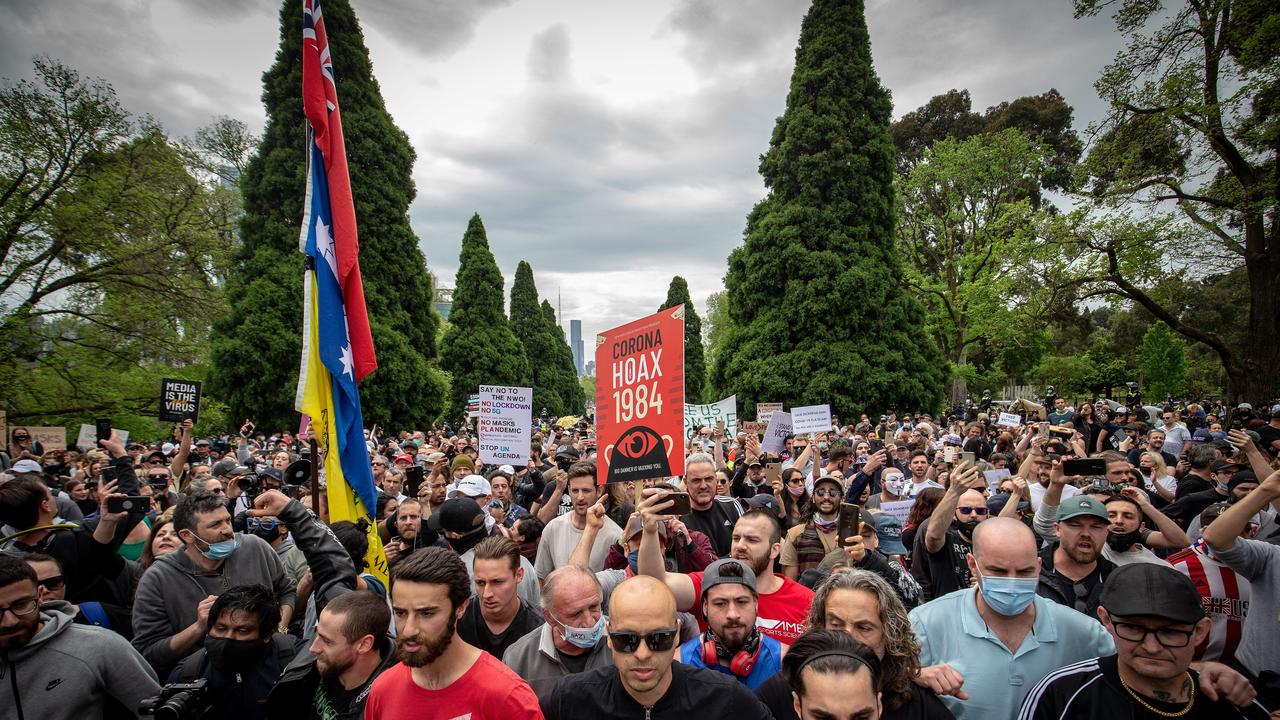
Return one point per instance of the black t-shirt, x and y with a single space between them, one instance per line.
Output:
332 700
1081 595
575 663
566 502
1269 434
947 569
473 629
716 522
775 693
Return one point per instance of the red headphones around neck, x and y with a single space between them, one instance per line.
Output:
742 661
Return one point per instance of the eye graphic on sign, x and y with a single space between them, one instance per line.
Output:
638 443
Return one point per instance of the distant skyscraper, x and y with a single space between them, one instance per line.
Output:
575 344
591 368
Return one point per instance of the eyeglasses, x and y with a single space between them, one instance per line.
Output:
656 641
826 492
52 584
22 608
979 511
378 464
262 523
1167 637
796 481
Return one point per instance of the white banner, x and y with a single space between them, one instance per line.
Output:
88 438
775 437
994 477
898 509
811 419
505 426
1010 420
726 410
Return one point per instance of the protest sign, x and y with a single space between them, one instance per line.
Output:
764 411
179 400
811 419
1010 420
473 405
505 425
50 438
709 415
775 436
640 398
752 428
898 509
88 437
994 477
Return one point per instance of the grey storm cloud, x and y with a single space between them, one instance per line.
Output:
435 28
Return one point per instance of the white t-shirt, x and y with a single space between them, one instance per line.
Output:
559 539
1038 491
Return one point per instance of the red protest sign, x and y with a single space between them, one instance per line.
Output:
640 398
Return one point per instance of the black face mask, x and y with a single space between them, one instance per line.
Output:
1122 542
967 527
232 656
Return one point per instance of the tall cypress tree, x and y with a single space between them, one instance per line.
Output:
256 348
565 378
478 347
530 326
695 364
819 313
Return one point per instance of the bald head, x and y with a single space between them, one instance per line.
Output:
1003 533
641 600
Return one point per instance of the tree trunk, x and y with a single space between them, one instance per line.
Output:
959 385
1257 378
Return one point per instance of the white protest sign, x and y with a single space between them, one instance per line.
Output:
898 509
1009 420
708 415
764 411
88 438
775 436
994 477
811 419
505 424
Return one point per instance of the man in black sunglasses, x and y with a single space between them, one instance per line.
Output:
644 682
53 587
1155 616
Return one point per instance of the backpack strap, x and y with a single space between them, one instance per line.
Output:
95 614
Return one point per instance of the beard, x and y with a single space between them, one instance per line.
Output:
329 670
1083 557
757 564
430 650
734 638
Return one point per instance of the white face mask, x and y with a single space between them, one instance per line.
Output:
893 484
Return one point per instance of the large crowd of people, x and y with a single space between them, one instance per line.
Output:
1085 561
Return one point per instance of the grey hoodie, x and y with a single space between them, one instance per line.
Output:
72 671
172 588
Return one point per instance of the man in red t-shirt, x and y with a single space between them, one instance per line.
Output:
757 540
439 675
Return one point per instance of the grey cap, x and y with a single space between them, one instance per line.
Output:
738 574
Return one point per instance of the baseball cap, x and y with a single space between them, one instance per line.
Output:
1240 478
435 457
755 463
507 470
1122 410
1225 465
889 530
714 574
951 439
1082 505
1244 406
202 442
1154 590
473 486
765 501
27 465
222 467
458 515
405 457
830 480
635 526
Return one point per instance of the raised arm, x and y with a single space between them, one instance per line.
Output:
650 556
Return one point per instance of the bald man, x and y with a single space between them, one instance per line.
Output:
999 638
644 682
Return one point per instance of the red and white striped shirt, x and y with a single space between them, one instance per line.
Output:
1224 594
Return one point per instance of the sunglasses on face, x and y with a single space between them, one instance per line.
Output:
796 481
826 492
979 511
378 464
52 584
656 641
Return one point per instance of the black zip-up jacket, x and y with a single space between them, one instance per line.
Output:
1091 690
1050 587
694 692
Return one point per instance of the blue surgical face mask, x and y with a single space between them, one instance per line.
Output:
1008 596
219 550
585 638
633 560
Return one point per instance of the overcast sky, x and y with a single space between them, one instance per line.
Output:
611 144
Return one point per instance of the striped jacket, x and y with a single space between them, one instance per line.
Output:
1224 595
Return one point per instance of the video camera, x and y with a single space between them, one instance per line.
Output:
177 701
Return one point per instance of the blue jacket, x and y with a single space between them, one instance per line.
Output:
768 662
